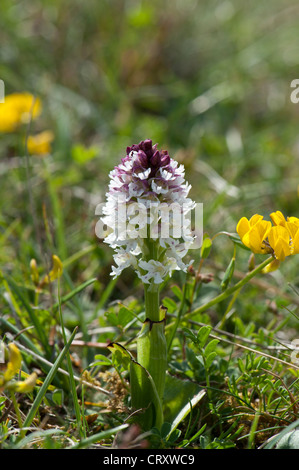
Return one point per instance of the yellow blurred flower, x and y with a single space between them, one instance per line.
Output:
40 144
12 368
34 272
254 232
14 364
27 385
17 109
55 272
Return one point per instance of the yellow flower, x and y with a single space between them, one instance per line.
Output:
281 239
254 232
55 272
292 226
40 144
34 272
17 109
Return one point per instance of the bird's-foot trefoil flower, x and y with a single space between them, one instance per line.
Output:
254 232
281 239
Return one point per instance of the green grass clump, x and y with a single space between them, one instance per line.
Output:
211 83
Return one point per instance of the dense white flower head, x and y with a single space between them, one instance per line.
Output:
148 205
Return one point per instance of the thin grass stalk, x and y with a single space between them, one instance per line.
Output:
70 369
42 391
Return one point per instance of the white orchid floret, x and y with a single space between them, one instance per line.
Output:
155 271
123 259
142 175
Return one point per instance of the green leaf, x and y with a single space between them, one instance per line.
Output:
101 360
177 292
170 304
210 359
57 397
241 365
112 318
120 356
203 334
124 316
189 334
206 247
228 274
179 398
210 347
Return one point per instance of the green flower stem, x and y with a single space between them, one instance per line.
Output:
151 342
231 290
152 303
18 414
151 353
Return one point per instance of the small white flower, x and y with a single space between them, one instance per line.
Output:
135 190
158 187
155 271
142 175
123 259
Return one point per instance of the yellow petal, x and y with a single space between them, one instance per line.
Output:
296 243
271 266
254 232
14 364
263 227
254 219
279 239
253 240
34 272
57 270
278 218
27 385
294 220
242 227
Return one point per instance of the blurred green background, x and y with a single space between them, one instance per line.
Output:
209 81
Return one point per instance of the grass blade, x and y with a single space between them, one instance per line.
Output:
47 382
97 437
